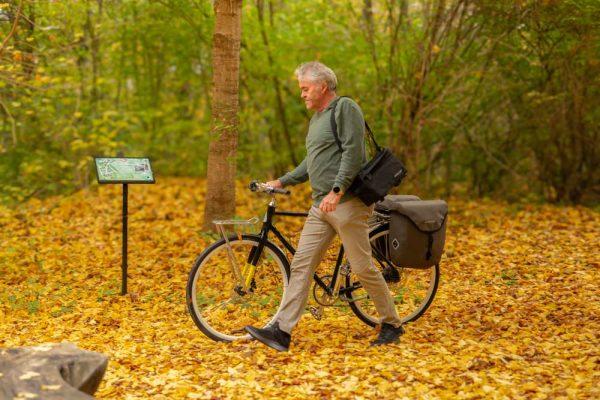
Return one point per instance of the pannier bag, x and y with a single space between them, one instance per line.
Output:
417 232
385 205
378 176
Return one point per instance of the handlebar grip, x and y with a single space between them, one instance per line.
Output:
256 186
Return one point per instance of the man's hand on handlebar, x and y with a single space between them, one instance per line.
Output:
275 184
269 187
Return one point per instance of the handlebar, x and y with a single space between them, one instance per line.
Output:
256 186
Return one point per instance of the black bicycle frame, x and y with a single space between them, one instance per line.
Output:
264 237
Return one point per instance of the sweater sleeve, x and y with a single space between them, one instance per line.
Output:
351 131
298 175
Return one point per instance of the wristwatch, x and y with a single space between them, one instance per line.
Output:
336 189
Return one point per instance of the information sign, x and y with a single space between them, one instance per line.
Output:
124 170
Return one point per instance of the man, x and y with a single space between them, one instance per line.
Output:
334 211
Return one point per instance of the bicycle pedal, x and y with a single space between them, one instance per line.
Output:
316 312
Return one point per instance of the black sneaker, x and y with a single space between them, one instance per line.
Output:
272 336
388 334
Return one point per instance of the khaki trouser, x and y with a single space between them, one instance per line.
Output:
349 220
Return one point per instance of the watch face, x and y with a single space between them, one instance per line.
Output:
336 189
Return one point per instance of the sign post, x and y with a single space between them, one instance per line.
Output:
124 253
124 170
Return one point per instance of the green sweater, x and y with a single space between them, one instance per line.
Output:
324 165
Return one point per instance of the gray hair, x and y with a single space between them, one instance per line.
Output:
317 72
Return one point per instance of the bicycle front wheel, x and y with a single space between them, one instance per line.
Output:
219 305
412 289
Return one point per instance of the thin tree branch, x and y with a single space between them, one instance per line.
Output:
13 28
13 123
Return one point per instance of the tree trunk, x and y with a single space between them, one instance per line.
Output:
220 195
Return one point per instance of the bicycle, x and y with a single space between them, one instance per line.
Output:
241 279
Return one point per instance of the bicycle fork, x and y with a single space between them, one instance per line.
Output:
246 280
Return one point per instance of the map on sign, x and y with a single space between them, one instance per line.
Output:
124 170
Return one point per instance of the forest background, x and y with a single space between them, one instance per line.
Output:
480 98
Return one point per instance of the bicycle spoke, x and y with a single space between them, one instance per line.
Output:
411 289
220 305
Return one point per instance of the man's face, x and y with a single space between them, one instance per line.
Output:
312 93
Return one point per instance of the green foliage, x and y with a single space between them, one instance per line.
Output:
98 78
478 97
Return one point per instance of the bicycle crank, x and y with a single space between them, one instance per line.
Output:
321 296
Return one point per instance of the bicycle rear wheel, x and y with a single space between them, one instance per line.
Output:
413 289
215 300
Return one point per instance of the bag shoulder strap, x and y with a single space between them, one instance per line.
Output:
334 127
334 124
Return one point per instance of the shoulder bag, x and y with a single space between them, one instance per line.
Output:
378 176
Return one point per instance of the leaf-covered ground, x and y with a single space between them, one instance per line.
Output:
516 315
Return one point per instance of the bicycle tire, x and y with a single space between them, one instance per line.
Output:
194 293
371 318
